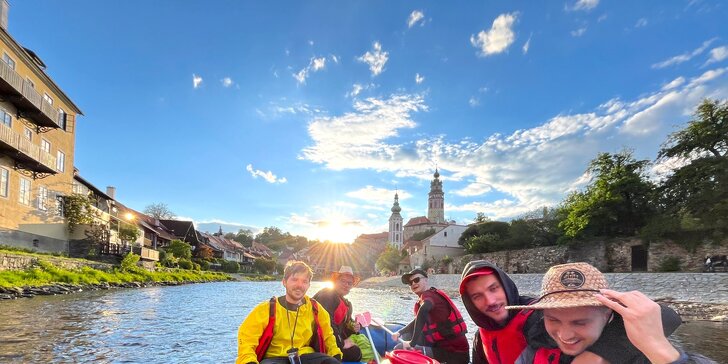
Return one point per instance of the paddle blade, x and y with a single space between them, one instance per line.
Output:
364 319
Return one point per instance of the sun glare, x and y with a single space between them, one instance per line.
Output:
336 228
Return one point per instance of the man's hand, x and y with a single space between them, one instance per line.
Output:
396 336
406 345
348 343
643 323
357 327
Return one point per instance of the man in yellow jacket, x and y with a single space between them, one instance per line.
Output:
290 329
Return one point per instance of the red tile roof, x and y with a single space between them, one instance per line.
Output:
419 220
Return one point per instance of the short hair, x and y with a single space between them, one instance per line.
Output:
296 267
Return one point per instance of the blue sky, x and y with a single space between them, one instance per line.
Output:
307 115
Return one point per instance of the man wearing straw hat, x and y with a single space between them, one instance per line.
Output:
577 306
486 290
340 310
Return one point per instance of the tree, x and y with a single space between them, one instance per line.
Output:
243 236
159 211
422 234
128 232
78 210
616 201
204 252
697 193
180 249
264 266
389 260
480 217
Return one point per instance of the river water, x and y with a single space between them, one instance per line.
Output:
194 323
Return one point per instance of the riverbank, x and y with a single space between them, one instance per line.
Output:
695 296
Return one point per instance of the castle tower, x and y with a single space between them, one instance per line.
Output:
396 230
436 207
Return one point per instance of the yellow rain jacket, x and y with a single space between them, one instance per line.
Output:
252 329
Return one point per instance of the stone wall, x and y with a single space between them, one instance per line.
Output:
10 261
25 240
519 261
690 261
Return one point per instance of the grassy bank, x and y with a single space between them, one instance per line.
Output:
46 273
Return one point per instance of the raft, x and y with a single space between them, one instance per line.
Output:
382 340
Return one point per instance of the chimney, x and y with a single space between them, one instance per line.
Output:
4 8
111 192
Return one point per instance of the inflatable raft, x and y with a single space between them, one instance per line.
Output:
383 342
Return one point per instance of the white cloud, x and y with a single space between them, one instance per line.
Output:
585 5
641 22
378 196
717 55
527 45
314 65
473 101
196 81
498 38
528 168
415 16
674 83
419 78
268 176
334 58
227 82
375 59
579 32
357 88
684 57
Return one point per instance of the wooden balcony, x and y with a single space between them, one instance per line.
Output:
26 99
26 154
146 253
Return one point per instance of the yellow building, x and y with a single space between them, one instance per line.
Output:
37 139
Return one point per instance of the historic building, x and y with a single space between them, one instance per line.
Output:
37 141
396 229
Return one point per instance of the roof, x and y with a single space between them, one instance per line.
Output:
383 235
91 187
261 247
419 220
182 229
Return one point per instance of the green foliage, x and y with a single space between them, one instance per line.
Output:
129 263
264 266
185 263
389 260
277 240
480 217
180 249
485 237
230 267
78 210
422 234
616 201
204 264
670 264
128 232
243 236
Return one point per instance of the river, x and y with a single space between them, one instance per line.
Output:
193 323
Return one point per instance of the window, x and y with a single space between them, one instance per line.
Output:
45 145
4 181
446 234
8 60
61 161
24 196
47 98
6 118
62 119
42 198
28 134
30 82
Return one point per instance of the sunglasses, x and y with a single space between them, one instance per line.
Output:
415 280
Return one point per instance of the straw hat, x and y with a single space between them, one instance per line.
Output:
568 285
345 269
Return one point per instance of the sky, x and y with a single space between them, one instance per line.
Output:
310 115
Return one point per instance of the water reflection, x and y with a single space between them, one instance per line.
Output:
193 323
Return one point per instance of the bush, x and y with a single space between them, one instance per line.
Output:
230 267
129 263
670 264
185 263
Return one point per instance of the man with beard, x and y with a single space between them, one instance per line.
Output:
438 328
340 310
486 290
577 305
288 327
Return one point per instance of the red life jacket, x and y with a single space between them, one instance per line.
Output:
317 342
505 345
439 331
341 313
547 356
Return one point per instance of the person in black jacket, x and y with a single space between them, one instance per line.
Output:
340 310
486 290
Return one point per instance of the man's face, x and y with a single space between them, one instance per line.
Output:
343 284
575 329
488 296
296 286
418 284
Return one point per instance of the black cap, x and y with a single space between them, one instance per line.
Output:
406 277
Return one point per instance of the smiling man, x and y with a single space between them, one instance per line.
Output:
288 326
438 327
340 309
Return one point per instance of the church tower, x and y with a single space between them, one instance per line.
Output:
436 207
396 230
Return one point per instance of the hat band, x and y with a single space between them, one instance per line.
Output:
565 291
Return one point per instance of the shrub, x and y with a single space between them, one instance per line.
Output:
670 264
129 263
185 263
204 265
230 267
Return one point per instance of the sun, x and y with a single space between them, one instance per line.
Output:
337 228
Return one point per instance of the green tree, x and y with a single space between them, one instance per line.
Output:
422 234
497 228
616 201
264 266
696 194
389 260
243 236
480 217
180 249
128 232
